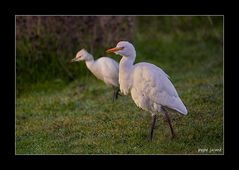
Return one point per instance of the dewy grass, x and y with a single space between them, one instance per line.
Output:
79 117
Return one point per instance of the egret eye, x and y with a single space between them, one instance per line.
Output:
121 48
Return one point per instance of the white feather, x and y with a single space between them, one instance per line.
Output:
104 68
148 84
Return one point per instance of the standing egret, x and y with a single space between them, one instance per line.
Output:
148 85
104 68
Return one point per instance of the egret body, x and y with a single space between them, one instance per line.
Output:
104 68
149 85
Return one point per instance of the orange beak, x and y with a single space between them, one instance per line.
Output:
111 50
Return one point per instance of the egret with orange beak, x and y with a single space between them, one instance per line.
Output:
149 85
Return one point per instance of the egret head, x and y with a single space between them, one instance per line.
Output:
123 48
82 55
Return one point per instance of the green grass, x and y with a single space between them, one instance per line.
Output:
55 117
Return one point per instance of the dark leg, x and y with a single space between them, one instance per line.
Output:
169 122
115 93
152 127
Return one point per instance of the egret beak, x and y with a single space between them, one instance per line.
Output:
111 50
73 60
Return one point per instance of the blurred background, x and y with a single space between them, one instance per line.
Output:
45 44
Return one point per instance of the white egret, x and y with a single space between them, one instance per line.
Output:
104 68
149 85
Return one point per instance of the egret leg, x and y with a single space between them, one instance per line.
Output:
169 122
115 93
152 126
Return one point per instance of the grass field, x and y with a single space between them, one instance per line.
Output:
79 117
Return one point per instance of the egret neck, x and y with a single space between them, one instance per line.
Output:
89 64
92 67
125 69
